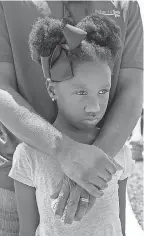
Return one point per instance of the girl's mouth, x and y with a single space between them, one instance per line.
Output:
92 118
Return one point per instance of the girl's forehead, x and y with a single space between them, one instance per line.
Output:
92 66
90 75
92 83
91 72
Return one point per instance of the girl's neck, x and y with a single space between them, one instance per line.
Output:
86 136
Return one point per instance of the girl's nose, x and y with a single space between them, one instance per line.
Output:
92 110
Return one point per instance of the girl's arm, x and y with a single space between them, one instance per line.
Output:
122 202
27 209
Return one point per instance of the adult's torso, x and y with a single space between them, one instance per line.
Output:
19 16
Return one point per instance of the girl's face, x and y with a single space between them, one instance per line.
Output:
82 100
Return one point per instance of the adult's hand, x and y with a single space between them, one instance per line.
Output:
72 201
86 165
84 206
79 204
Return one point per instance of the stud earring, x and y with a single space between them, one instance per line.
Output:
53 99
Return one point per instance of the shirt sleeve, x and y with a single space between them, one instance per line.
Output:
5 47
21 167
133 44
129 163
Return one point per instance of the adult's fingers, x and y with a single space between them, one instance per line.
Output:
62 198
110 166
117 166
82 205
72 204
92 190
91 203
99 183
105 175
57 190
113 168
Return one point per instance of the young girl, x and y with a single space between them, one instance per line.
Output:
77 62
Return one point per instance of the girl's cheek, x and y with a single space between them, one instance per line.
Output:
104 100
103 106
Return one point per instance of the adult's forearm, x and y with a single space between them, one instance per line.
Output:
24 233
21 119
121 118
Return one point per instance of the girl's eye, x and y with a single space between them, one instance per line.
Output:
81 93
103 91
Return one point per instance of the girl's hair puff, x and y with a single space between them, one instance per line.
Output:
102 41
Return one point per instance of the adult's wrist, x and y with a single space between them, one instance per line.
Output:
64 145
99 143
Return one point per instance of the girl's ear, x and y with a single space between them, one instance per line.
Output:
51 89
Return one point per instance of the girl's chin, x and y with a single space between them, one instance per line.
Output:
91 122
86 124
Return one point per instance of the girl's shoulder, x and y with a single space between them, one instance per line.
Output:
26 149
24 165
30 153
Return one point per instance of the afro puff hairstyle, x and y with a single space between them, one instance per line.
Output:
102 41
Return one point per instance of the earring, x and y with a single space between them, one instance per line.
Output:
53 99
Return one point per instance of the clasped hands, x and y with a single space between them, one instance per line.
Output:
86 172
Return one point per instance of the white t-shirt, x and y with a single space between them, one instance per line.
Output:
32 168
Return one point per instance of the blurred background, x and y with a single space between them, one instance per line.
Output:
135 182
